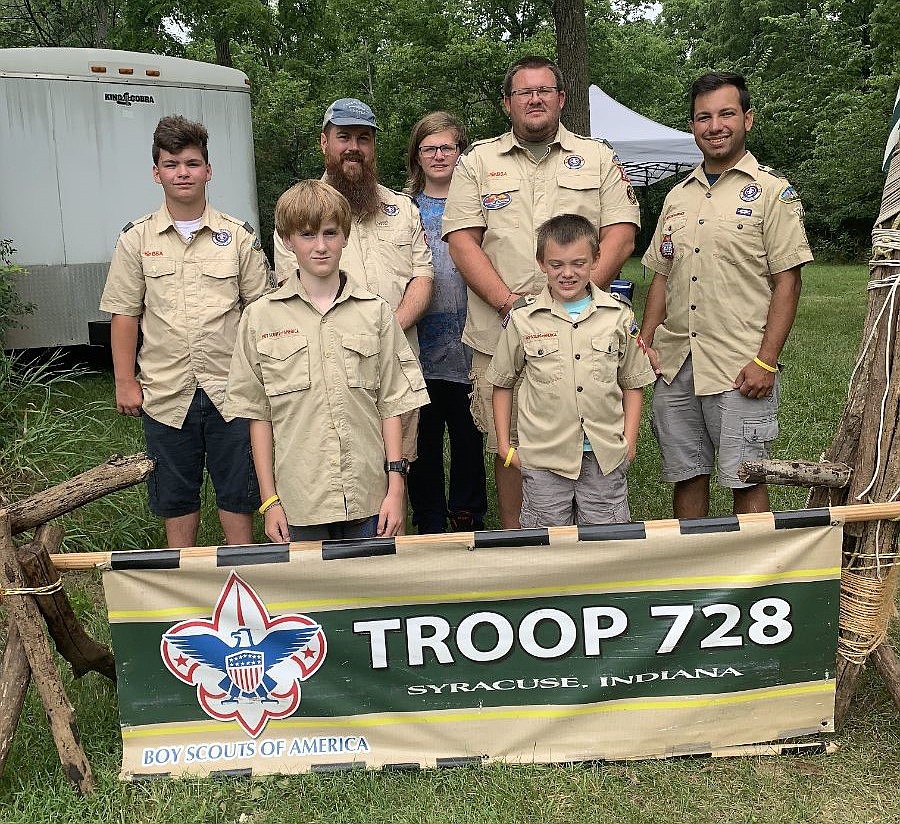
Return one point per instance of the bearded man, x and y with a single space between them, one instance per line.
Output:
386 251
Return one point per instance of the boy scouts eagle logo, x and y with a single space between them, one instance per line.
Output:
245 665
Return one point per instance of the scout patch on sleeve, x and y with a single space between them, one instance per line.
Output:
256 244
789 195
630 192
667 247
750 192
222 237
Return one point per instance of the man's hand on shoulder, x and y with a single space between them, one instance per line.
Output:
129 397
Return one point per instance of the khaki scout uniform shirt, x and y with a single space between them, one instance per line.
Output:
383 254
189 297
325 382
575 372
718 247
498 187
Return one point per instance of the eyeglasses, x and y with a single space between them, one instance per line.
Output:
445 149
543 92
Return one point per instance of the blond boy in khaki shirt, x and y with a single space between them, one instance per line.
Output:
324 371
580 401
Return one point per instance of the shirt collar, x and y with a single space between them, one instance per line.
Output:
564 137
162 220
292 287
599 300
747 165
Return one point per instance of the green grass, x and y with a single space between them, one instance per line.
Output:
857 784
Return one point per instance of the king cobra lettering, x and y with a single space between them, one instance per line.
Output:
434 635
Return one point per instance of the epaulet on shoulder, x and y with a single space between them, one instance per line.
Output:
602 140
133 223
245 225
771 171
403 194
621 298
484 141
524 300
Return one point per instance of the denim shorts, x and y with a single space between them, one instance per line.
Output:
692 429
205 439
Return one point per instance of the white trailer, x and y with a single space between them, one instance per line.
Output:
76 127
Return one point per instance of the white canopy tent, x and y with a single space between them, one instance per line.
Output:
648 150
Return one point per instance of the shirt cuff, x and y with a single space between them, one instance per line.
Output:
492 376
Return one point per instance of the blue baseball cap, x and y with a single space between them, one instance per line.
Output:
348 111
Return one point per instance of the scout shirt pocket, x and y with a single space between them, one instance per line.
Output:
501 203
284 362
361 360
411 369
159 283
219 283
579 193
394 263
543 363
738 238
604 358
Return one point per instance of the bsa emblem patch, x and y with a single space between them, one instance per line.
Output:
246 665
750 192
222 237
256 244
744 212
496 201
667 248
789 195
390 209
574 161
635 332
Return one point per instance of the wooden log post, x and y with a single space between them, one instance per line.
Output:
14 678
868 438
117 473
888 666
25 615
72 641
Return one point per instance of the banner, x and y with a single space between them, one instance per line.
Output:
636 640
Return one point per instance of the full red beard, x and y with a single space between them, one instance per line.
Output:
361 191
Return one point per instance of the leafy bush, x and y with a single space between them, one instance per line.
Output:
11 305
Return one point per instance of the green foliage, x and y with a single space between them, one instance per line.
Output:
12 307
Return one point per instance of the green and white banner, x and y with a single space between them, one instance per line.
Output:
639 640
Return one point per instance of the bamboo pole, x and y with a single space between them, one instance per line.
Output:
843 514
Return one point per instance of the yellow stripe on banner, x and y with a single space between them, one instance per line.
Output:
500 594
500 713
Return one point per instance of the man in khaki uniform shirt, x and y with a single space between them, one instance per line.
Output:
727 255
503 189
386 251
183 275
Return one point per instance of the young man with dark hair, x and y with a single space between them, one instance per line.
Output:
727 255
182 276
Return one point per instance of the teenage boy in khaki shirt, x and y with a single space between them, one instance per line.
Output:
580 400
182 276
324 371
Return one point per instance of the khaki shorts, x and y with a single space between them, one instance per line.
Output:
409 423
549 499
691 429
482 403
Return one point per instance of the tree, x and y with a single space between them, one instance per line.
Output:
572 55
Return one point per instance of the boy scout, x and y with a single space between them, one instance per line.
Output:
727 255
580 400
502 190
183 275
324 371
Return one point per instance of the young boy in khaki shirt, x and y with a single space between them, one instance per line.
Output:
580 400
323 371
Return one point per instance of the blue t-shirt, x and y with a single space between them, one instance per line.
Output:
441 351
575 308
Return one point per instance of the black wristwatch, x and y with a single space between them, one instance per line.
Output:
401 466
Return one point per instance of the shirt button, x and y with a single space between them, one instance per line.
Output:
709 194
574 325
697 250
577 357
740 225
694 278
579 388
701 221
693 334
540 351
693 307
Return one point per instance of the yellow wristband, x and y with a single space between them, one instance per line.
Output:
764 365
509 456
268 502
